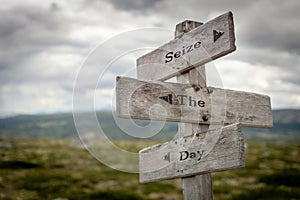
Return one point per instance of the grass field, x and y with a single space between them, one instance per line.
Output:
57 169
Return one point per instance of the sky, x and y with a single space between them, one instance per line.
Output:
54 51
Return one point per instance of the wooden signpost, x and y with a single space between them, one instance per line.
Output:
197 151
194 154
196 47
136 99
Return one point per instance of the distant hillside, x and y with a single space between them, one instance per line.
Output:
286 127
63 126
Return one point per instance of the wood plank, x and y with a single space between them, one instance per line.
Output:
196 47
216 150
200 185
181 103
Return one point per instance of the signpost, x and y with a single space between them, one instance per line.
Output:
197 151
182 103
194 48
192 155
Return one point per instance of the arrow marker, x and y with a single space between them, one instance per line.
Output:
167 157
217 35
167 98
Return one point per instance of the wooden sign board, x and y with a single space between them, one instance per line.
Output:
182 103
196 47
216 150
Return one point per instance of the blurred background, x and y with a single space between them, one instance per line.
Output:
44 47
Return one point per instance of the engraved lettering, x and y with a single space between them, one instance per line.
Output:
184 155
177 54
201 103
189 48
200 154
169 56
185 50
192 155
191 101
181 99
197 45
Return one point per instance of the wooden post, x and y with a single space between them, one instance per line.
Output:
197 187
177 158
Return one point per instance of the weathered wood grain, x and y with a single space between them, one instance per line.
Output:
194 48
182 103
216 150
198 186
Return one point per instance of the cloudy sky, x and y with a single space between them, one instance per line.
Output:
44 45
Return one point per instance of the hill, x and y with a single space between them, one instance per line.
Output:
63 126
286 127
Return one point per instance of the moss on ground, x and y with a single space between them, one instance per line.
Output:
51 169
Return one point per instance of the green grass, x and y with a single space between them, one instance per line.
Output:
50 169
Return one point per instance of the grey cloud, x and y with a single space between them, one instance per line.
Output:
283 64
172 12
273 25
9 24
54 7
25 32
33 26
133 5
266 31
292 78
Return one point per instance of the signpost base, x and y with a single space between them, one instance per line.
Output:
197 187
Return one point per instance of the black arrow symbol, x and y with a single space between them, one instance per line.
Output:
167 157
167 98
217 35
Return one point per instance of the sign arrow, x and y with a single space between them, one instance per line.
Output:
167 157
217 35
167 98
